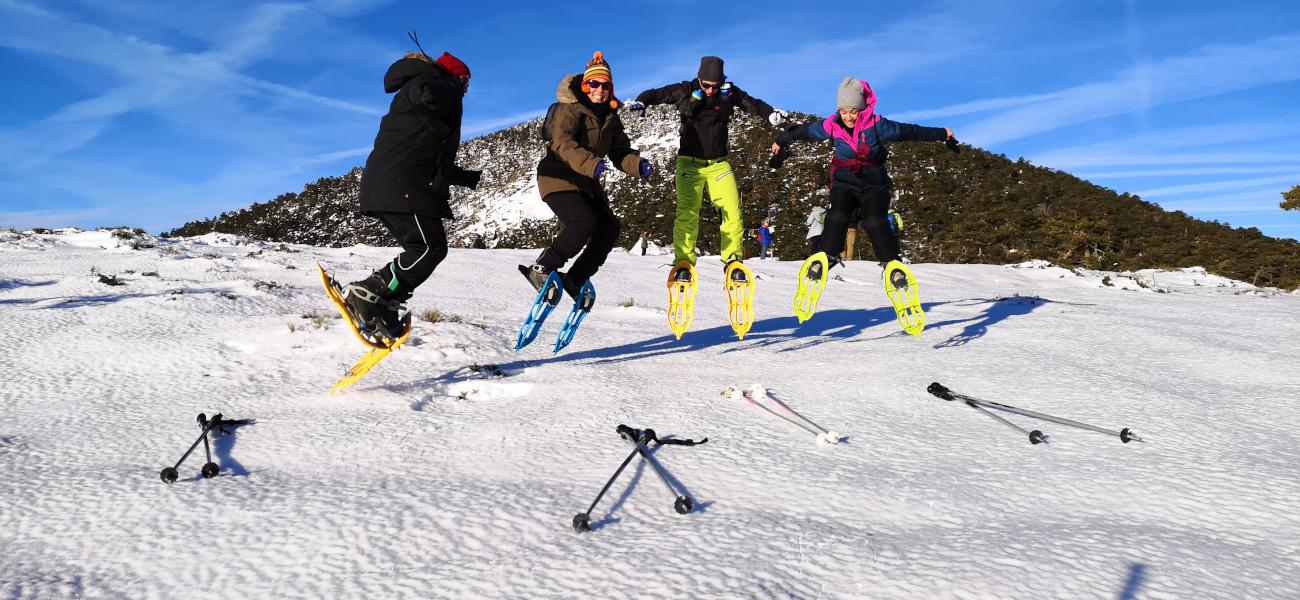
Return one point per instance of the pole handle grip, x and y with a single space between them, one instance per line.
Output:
937 389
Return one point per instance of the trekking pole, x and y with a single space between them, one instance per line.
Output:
582 520
1035 436
683 503
1125 435
210 469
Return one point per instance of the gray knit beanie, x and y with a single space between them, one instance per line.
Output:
850 95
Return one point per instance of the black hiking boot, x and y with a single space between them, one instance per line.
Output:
683 275
572 287
374 306
898 279
815 271
737 274
537 276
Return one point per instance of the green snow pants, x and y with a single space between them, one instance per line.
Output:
693 175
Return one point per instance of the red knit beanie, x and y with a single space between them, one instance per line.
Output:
453 64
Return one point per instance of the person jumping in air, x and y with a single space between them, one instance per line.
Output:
405 184
706 105
859 180
584 128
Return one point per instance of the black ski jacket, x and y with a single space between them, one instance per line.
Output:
704 122
411 166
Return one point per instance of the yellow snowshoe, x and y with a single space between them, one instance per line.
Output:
740 297
372 358
904 294
682 284
812 281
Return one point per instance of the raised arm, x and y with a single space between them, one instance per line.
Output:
742 100
668 94
890 131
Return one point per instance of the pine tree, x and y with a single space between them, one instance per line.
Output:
1291 199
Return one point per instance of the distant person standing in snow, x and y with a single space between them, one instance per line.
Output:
816 221
858 177
765 239
585 128
406 182
705 105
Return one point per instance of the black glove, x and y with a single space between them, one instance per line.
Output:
778 159
952 144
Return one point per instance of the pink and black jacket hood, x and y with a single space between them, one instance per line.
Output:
859 154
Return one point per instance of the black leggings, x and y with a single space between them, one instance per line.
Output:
584 220
874 203
424 245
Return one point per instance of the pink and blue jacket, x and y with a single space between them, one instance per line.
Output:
859 154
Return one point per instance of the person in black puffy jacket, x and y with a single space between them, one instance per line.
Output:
406 182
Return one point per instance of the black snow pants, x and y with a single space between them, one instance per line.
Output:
424 245
584 220
874 202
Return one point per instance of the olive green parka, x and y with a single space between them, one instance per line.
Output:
579 140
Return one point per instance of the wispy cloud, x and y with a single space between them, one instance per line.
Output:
1254 201
1291 167
487 125
1265 141
1210 71
1229 184
152 76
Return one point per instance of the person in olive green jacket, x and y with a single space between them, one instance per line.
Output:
584 129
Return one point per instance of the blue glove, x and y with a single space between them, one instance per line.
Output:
697 95
636 107
646 169
601 167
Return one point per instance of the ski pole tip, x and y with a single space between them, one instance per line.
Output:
1126 436
683 505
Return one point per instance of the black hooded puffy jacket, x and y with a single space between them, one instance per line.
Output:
412 164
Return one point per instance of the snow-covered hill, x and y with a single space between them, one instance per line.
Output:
453 470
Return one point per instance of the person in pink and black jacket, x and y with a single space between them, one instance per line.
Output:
858 176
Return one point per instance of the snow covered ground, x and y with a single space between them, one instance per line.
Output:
434 478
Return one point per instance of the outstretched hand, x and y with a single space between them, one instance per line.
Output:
779 154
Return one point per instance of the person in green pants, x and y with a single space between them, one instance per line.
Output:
706 105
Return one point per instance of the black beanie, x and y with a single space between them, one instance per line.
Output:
711 69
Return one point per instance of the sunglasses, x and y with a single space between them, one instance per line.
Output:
596 84
709 86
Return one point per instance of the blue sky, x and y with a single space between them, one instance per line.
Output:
151 114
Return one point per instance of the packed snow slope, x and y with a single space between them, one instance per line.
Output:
436 477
